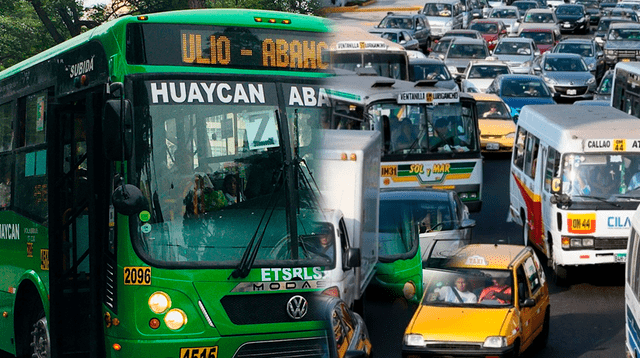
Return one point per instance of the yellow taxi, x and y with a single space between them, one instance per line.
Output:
497 128
488 301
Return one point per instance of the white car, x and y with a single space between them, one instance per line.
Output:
479 75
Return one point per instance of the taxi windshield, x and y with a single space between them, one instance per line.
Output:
468 287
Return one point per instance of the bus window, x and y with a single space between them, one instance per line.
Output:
518 159
551 169
6 127
531 156
632 257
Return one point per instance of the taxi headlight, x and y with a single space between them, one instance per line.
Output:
409 290
175 319
495 342
414 340
511 135
159 302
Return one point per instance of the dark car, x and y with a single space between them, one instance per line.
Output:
545 39
606 4
593 10
623 43
431 69
566 74
590 51
603 28
524 5
399 36
572 18
416 24
492 30
518 91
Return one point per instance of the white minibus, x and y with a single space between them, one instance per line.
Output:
575 182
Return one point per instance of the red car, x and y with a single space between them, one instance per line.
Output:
492 30
545 39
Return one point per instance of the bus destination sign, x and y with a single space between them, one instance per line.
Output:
212 46
428 97
611 145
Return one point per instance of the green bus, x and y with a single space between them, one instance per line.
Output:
151 197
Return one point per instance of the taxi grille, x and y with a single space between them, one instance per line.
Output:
453 345
298 348
610 243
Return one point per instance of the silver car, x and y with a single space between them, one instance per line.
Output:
566 74
462 51
517 52
509 15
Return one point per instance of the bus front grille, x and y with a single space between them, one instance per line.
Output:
290 348
610 243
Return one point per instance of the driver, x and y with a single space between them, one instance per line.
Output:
458 294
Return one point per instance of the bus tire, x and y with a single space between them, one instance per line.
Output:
561 274
40 338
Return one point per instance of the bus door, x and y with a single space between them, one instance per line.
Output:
75 172
551 163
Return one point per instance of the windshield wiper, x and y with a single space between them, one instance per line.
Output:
603 200
249 256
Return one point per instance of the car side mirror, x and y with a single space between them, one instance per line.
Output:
537 53
529 302
419 28
556 96
599 54
537 69
441 57
352 258
467 224
504 31
419 11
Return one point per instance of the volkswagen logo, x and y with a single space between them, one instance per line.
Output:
297 307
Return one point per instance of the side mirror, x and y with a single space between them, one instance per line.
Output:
352 259
504 31
129 200
402 42
556 96
419 28
420 11
599 54
441 57
537 53
467 224
529 302
537 69
117 128
457 79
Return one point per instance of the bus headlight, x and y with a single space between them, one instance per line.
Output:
159 302
409 290
587 243
495 342
175 319
414 340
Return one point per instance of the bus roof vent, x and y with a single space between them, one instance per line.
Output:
383 83
425 83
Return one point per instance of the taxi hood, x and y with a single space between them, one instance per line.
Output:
462 324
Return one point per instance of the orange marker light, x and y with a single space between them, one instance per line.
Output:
154 323
272 21
116 347
258 19
286 21
143 18
343 156
353 157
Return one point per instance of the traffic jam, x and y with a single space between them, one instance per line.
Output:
458 81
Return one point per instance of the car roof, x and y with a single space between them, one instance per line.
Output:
490 62
577 41
541 10
391 30
442 1
542 29
515 76
469 41
483 21
487 256
517 39
425 61
634 25
486 97
403 16
561 55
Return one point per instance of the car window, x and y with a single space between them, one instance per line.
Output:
523 288
539 18
467 51
568 10
584 50
439 10
485 111
483 27
543 38
483 71
531 272
513 48
564 65
434 71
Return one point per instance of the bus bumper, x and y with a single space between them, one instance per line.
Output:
315 342
589 257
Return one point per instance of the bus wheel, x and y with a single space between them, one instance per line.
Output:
40 344
561 274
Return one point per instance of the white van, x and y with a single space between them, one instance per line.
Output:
575 182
